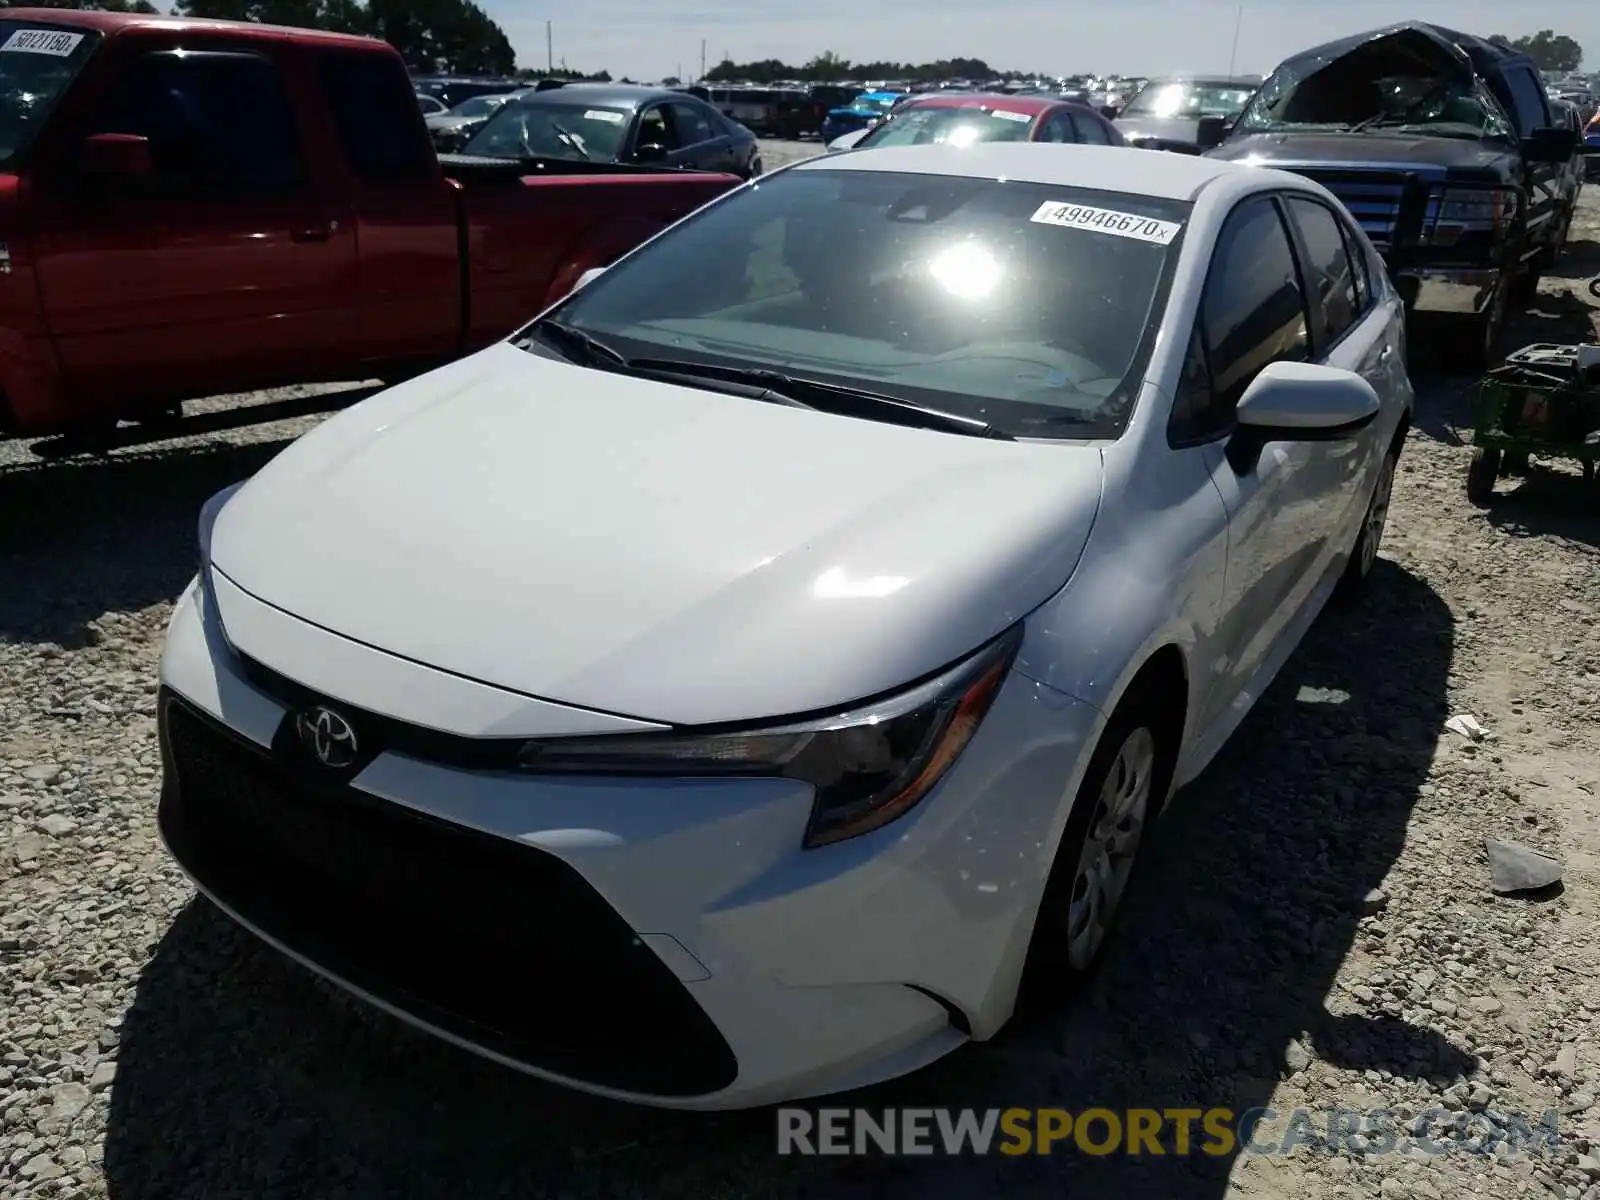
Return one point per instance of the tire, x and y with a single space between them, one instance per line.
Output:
1526 288
1119 799
1482 471
1514 462
1373 522
1484 349
755 169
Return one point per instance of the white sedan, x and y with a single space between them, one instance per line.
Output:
722 690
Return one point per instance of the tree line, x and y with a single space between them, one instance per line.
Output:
1550 51
829 67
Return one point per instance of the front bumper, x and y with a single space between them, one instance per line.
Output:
661 941
1459 291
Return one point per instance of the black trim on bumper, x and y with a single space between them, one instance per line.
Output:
502 945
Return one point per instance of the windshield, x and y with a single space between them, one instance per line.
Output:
478 106
1188 100
928 125
1362 91
870 103
539 128
1026 306
37 65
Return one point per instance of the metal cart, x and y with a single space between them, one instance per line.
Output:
1545 400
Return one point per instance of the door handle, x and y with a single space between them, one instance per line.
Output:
315 233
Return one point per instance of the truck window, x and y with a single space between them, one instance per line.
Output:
369 98
1528 96
38 63
1328 269
690 123
217 121
1252 313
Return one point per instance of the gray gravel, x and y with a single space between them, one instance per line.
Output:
1314 925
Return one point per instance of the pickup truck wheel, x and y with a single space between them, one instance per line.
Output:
1484 350
1526 288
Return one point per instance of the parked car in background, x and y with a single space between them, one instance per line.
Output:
955 119
907 562
617 123
451 129
430 105
864 112
1444 147
1166 113
1575 169
768 112
199 207
451 90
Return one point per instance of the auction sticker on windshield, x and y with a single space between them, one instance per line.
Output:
1106 220
600 114
42 41
1009 116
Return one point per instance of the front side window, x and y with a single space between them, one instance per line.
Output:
1091 131
1531 112
928 125
217 120
38 63
1027 306
540 127
1334 294
1252 312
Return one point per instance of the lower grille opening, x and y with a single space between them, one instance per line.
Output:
503 945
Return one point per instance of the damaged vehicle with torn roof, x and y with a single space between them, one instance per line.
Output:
1443 147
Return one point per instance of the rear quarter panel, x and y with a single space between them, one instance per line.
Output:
528 241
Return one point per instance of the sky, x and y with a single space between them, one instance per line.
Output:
648 39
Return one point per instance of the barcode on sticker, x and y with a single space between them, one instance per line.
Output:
1106 220
1010 116
600 114
42 41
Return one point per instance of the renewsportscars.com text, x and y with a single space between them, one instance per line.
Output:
1216 1132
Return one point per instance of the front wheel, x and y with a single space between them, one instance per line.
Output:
1365 555
1482 471
755 169
1121 794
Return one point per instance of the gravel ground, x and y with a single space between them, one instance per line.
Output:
1313 927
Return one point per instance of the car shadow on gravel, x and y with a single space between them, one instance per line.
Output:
87 537
241 1074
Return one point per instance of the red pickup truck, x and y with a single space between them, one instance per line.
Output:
196 207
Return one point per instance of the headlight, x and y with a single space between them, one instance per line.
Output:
869 765
1476 206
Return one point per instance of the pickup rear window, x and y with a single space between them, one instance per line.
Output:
37 65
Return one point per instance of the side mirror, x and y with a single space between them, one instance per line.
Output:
650 152
1552 144
1299 402
1212 132
588 277
117 154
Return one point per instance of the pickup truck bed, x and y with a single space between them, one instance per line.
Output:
204 207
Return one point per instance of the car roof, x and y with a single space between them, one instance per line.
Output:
1205 80
1108 168
110 23
1032 105
607 95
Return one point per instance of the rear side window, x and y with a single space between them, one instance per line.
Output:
1253 312
1335 298
1091 131
215 120
377 129
690 121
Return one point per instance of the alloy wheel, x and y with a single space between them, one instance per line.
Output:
1377 515
1105 863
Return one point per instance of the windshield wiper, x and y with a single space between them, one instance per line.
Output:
828 397
573 341
571 139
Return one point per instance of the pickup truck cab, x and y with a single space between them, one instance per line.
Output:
195 207
1443 146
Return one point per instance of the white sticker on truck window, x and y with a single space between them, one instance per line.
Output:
42 41
600 114
1106 220
1024 118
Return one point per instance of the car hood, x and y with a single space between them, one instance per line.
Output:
661 552
1291 148
1166 129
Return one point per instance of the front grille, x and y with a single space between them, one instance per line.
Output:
497 943
1388 207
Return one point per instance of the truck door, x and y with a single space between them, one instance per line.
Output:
1531 111
223 268
411 274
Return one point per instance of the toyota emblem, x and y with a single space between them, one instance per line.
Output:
328 736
